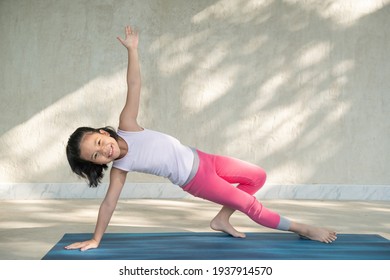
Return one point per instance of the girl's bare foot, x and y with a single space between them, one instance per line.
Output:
314 233
219 224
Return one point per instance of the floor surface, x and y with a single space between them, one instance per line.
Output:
30 228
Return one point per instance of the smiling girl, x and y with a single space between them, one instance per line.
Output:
227 181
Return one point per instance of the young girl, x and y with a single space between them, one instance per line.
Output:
134 148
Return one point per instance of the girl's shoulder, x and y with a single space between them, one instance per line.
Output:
129 132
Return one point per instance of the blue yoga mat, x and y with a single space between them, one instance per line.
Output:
219 246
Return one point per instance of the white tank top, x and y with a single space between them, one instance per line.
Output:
156 153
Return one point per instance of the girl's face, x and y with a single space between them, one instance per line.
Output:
99 148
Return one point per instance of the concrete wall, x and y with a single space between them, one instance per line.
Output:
298 87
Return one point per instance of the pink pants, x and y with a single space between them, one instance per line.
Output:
213 181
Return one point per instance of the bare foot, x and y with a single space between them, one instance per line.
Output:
219 224
314 233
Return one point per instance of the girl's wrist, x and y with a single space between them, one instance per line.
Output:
132 50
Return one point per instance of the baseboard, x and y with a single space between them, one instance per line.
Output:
326 192
22 191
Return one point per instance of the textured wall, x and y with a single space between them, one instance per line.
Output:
298 87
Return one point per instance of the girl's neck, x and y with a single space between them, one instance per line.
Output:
122 147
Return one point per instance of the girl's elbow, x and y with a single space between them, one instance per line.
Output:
134 86
108 205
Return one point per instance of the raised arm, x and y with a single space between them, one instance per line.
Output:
128 117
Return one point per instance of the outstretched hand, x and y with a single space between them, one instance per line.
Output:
83 246
131 38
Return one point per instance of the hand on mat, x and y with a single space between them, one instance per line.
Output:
131 38
83 246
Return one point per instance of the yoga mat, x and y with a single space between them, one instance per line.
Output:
220 246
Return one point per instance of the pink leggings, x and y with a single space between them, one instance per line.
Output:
213 181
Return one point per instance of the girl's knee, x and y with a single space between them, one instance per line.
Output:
254 181
259 177
262 176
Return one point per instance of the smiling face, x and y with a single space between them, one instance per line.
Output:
99 148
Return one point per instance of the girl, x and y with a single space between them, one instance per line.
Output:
133 148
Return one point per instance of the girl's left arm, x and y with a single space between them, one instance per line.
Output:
129 114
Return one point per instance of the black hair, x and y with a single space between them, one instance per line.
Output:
83 168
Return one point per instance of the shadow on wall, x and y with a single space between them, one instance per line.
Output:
285 85
297 88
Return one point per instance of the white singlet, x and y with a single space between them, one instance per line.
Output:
156 153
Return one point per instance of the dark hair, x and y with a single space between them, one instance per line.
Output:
83 168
